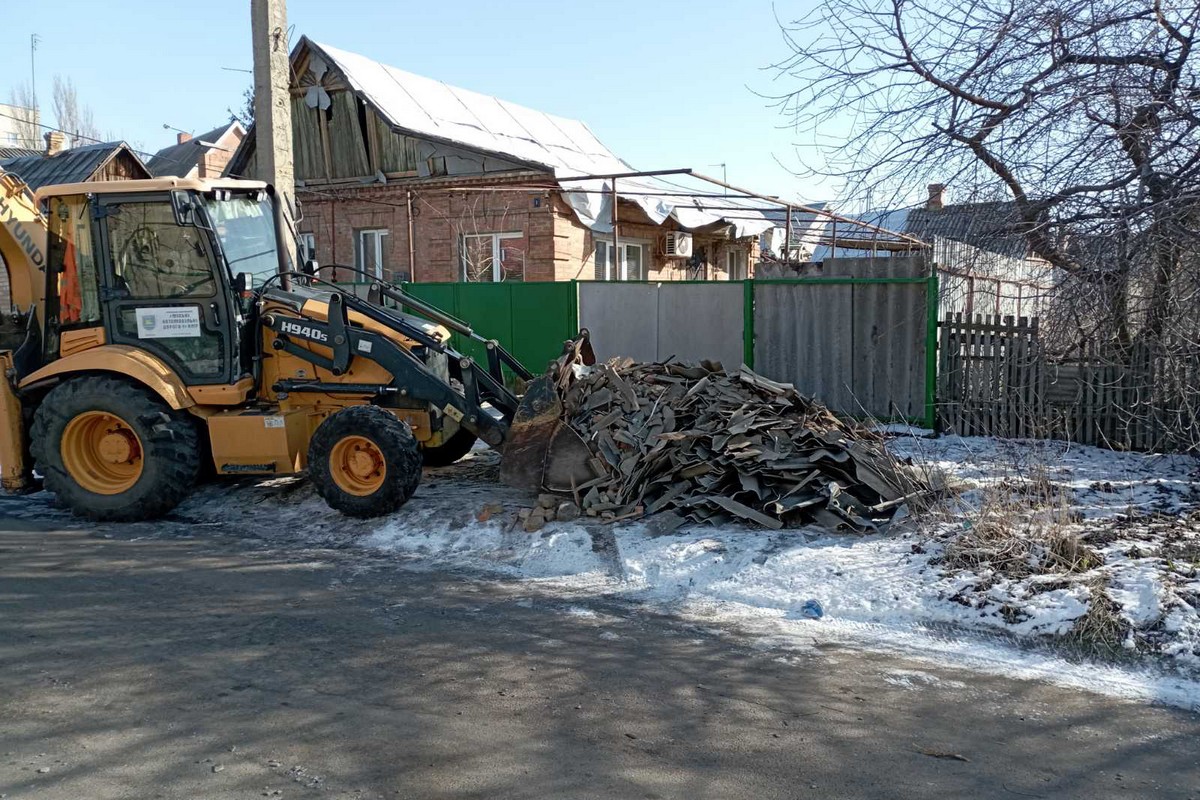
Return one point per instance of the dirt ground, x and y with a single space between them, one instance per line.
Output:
178 660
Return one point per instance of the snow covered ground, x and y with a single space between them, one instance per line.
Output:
888 591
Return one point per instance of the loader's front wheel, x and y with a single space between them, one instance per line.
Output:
364 461
111 450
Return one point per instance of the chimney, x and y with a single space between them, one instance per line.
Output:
56 142
934 203
182 137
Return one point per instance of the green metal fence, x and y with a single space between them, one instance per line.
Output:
530 320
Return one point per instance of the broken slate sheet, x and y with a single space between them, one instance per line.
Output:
693 442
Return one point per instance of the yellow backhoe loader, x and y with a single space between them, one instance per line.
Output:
156 326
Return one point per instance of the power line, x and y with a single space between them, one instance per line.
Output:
307 190
75 136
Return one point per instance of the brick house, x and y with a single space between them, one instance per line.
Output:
408 178
203 156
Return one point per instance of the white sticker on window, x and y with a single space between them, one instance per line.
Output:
272 422
364 346
178 322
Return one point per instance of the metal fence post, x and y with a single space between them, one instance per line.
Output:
931 360
573 319
748 322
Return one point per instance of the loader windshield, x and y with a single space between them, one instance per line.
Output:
246 229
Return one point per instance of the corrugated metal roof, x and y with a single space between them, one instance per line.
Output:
180 159
69 166
431 109
17 152
988 226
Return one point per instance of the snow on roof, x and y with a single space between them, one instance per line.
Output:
433 109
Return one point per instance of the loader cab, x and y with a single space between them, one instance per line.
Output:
155 266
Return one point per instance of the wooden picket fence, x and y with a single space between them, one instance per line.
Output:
996 379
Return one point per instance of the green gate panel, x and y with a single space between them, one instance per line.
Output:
530 320
487 308
439 294
543 316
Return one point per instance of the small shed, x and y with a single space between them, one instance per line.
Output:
107 161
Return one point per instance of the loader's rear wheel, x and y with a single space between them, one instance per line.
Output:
102 453
364 461
111 450
450 450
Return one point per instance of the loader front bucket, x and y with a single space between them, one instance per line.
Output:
542 453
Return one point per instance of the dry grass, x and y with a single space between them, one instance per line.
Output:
1102 630
1021 527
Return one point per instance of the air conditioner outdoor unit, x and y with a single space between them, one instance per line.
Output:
679 245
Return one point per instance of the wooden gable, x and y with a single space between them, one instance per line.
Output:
346 140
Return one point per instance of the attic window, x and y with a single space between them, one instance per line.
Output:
437 165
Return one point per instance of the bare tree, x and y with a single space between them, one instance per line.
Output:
25 110
1086 113
72 118
245 114
475 222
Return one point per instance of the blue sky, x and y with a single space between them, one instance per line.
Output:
665 83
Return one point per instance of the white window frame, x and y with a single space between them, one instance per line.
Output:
498 240
623 268
378 234
736 253
308 245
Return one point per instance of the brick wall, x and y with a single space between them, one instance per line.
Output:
572 244
215 159
441 218
555 245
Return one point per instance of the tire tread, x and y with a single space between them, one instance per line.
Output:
171 446
395 440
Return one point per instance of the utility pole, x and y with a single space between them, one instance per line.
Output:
272 103
33 43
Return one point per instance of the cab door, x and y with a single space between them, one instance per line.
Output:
164 291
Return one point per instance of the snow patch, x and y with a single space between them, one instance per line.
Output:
886 591
1136 588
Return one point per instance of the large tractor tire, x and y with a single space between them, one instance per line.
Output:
364 461
450 450
112 450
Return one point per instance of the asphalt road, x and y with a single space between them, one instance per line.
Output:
185 661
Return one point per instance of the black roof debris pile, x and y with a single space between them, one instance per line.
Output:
693 442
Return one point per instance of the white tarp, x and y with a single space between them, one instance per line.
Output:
430 108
